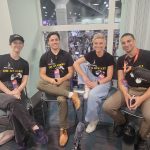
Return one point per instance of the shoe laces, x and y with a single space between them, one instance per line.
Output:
63 131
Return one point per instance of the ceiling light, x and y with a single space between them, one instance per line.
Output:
95 4
106 5
105 2
44 7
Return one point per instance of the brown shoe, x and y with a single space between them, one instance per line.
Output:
76 100
63 137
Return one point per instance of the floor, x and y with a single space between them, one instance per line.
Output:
101 139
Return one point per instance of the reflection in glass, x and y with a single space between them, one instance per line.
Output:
117 11
116 41
79 42
76 11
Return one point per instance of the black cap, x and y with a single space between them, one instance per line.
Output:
15 37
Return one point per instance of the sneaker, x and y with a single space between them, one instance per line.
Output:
76 100
86 92
40 136
91 126
63 137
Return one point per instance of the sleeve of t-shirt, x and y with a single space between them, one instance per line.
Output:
120 63
70 60
111 61
26 68
42 61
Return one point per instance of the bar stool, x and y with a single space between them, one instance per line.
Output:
134 118
46 98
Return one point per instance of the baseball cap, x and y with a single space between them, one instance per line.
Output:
15 37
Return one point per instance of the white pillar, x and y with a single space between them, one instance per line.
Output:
5 27
25 21
111 24
61 16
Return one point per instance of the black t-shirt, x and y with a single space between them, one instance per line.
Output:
61 62
99 65
143 60
11 69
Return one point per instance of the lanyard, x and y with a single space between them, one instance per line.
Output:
125 65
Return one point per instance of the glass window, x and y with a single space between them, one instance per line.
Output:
74 12
79 42
116 41
117 11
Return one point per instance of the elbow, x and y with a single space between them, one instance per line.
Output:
75 64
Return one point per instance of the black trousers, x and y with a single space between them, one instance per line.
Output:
18 116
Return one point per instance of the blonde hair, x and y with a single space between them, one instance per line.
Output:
98 36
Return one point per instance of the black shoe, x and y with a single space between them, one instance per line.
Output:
40 136
141 145
129 135
119 130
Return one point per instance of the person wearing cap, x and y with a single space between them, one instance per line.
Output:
14 72
56 70
96 76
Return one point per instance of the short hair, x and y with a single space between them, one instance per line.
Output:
98 36
52 33
128 34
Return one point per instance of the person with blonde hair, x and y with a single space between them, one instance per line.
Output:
96 76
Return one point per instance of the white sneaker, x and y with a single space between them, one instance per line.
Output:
91 126
86 92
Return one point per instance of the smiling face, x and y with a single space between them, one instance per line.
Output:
128 43
17 46
99 44
54 42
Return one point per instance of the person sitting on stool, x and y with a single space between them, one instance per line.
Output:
96 76
131 87
14 72
56 70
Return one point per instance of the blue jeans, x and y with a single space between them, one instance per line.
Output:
96 95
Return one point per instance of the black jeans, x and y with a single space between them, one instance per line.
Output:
18 116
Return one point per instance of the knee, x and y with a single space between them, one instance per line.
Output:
62 99
92 95
147 118
106 106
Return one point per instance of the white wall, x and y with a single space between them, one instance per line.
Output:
5 27
25 21
135 18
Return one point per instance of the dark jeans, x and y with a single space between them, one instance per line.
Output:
18 116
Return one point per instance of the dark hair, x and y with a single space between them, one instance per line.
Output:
128 34
52 33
